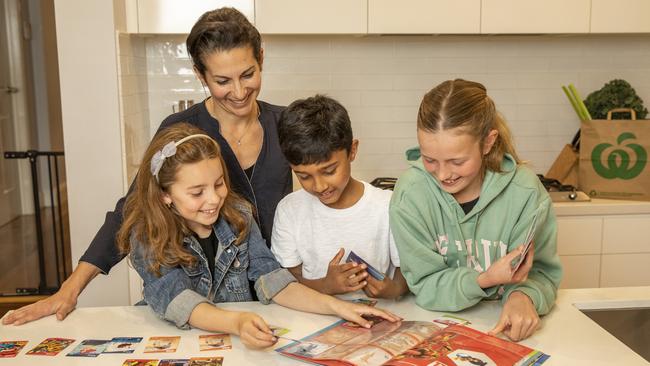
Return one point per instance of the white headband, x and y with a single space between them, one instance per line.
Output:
168 151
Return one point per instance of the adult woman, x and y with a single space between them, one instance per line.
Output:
225 49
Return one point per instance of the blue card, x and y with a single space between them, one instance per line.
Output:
89 348
122 345
353 257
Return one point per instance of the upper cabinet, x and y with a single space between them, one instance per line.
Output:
620 16
311 16
535 16
396 17
174 16
424 16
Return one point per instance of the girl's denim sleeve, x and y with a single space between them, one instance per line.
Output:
171 296
269 277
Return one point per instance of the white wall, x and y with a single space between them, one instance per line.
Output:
381 81
87 54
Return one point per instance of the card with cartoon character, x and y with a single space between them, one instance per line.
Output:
51 346
162 344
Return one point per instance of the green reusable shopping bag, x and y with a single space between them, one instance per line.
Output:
614 158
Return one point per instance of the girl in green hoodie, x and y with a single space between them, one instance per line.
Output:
461 212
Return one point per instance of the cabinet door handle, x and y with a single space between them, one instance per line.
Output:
9 89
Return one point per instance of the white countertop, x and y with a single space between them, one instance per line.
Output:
601 207
569 336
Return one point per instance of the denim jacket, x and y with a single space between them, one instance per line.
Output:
178 290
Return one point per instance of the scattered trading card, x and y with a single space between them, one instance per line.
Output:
368 302
175 362
463 357
214 342
162 344
11 348
278 331
142 362
353 257
449 320
530 235
51 346
122 345
206 361
309 349
89 348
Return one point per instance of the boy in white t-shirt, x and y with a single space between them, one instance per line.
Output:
315 228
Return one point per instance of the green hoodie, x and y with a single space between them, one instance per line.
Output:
442 250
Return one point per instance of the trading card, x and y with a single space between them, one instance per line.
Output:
162 344
213 342
278 331
140 362
462 357
175 362
353 257
122 345
448 320
368 302
309 349
51 346
89 348
206 361
530 235
11 348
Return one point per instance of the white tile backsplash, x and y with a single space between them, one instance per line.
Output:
134 101
381 80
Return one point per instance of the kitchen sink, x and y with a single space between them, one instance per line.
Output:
630 326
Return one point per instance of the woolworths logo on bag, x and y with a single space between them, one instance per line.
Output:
619 159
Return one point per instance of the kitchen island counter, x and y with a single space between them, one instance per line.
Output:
567 335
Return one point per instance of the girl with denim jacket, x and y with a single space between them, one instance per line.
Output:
176 206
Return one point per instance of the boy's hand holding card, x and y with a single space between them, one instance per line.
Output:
345 277
372 271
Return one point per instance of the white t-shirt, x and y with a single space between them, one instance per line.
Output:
307 232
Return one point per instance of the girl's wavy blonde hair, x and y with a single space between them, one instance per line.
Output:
159 227
465 104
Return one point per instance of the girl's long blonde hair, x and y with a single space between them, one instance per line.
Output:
465 104
159 227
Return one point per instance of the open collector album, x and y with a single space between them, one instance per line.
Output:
409 343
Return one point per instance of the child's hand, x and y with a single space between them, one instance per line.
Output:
346 277
519 319
353 312
501 273
254 332
388 288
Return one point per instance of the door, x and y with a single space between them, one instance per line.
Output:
9 183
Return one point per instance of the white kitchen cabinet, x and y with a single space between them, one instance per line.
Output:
620 16
626 234
577 235
580 271
604 243
535 16
579 244
174 16
424 16
311 16
620 270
